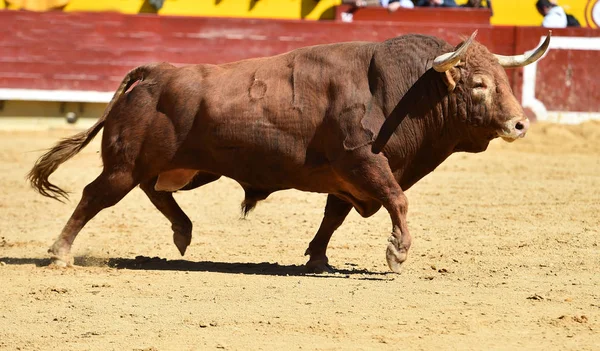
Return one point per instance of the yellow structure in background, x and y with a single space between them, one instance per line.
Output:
34 5
283 9
506 12
123 6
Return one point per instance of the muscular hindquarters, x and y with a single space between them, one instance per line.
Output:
139 137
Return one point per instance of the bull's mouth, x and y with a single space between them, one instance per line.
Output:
510 139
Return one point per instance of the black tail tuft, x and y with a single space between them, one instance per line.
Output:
247 207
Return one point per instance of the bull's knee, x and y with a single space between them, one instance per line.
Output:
397 202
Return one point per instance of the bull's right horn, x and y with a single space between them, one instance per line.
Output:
525 59
446 61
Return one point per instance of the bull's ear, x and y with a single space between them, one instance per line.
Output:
450 77
449 80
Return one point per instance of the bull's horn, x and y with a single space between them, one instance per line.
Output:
446 61
525 59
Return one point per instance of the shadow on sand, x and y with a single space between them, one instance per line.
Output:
162 264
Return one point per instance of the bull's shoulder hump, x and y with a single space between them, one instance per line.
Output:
413 44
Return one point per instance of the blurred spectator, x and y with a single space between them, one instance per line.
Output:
554 15
361 3
436 3
479 4
393 5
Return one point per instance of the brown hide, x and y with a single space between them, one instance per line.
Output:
306 120
175 179
280 122
271 123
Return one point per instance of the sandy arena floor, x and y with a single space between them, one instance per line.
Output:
505 256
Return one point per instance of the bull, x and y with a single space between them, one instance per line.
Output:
359 121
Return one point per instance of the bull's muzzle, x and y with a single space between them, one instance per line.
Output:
514 129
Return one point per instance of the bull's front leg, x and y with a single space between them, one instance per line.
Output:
400 240
372 176
336 211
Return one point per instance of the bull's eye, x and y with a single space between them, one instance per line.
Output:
479 92
480 85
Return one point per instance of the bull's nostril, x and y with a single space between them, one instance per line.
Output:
519 126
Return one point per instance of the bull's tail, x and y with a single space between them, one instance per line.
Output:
69 147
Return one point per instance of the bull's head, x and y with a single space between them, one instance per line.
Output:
477 82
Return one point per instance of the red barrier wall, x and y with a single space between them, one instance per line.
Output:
567 78
92 51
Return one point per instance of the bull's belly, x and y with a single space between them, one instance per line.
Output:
271 161
177 179
267 165
268 178
284 169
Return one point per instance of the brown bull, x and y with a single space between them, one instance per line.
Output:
311 119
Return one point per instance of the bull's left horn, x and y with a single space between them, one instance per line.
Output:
525 59
446 61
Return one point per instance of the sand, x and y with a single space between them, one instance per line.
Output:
505 256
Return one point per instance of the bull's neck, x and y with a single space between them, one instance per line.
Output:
422 143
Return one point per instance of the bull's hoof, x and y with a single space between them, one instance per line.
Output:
182 242
318 267
59 256
60 262
395 255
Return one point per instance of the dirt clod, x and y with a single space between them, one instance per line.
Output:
536 297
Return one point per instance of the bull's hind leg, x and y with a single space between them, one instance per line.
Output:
180 222
105 191
166 204
336 211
